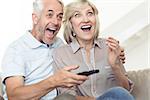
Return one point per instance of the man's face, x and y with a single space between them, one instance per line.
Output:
49 21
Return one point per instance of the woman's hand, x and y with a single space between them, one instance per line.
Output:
114 51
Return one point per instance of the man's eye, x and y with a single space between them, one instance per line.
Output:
50 15
60 17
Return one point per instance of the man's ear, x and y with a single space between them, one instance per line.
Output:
35 18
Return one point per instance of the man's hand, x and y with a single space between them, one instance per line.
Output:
64 78
122 55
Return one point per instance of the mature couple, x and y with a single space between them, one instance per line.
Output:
29 63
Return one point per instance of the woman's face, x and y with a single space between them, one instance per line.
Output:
84 22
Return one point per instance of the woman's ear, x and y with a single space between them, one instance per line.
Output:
34 18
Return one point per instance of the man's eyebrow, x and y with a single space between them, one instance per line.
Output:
53 11
60 13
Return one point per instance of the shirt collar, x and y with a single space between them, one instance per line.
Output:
98 42
32 41
75 45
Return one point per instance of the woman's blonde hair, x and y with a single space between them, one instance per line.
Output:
69 11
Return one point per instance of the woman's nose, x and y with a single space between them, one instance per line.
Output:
85 19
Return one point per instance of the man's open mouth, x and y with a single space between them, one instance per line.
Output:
51 30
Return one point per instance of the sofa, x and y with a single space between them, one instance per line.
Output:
141 80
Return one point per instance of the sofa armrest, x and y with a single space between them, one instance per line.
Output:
141 80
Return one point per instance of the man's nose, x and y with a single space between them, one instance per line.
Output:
54 20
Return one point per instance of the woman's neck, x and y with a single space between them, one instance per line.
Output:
87 44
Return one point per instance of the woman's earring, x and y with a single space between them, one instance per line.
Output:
74 34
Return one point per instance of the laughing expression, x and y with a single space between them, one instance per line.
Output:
49 21
83 23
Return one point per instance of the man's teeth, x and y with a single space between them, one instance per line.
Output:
51 30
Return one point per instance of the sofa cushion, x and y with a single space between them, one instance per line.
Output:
141 80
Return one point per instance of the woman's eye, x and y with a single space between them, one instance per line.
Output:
77 15
90 13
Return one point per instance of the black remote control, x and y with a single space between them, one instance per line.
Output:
87 73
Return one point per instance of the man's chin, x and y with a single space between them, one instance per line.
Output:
49 41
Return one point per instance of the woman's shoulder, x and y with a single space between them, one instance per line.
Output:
63 48
62 51
101 39
101 42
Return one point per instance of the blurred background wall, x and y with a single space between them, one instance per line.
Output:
126 20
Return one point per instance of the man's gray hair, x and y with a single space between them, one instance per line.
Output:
38 5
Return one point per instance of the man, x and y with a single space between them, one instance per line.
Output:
27 70
27 64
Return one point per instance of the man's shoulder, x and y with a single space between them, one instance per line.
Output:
16 44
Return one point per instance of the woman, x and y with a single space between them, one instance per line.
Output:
85 49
